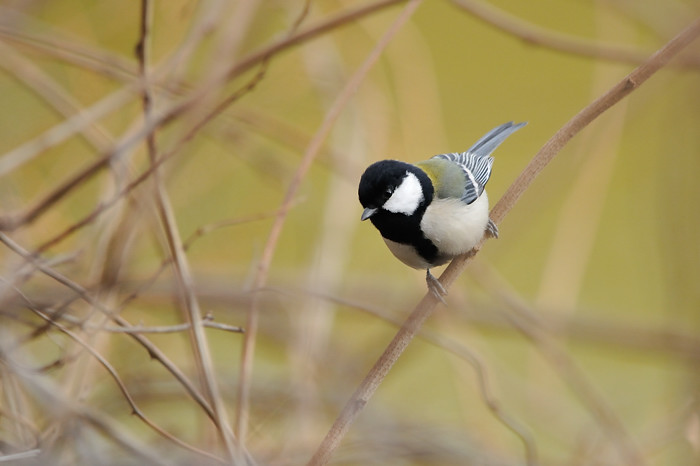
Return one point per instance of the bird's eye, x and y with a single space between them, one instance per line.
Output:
388 193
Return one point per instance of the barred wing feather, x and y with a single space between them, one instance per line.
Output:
476 162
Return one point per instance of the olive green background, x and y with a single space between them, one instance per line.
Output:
602 252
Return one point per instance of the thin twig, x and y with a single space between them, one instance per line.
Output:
426 306
208 322
200 344
170 328
104 206
201 231
16 27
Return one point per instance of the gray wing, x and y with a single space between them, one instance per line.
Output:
476 162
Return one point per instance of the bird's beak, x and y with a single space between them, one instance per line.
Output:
368 212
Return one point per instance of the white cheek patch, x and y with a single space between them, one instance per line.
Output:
407 197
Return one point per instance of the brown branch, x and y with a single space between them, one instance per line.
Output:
201 231
14 222
103 206
173 328
426 306
10 223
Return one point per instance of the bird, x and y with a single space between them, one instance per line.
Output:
432 211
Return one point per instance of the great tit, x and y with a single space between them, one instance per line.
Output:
432 211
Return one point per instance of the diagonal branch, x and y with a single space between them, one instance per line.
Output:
426 306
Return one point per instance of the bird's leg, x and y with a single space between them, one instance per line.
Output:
435 286
491 229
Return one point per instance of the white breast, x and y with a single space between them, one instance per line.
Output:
407 254
455 227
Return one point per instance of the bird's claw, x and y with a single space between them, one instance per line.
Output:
491 229
435 287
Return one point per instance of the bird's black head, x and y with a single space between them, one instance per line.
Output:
393 187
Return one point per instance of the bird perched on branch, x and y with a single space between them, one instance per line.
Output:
432 211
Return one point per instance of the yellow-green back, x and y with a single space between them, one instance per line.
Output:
448 179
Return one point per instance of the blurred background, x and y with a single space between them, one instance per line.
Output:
167 162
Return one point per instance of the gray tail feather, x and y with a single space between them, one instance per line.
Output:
488 142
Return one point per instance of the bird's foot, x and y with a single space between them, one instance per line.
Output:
435 287
491 229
